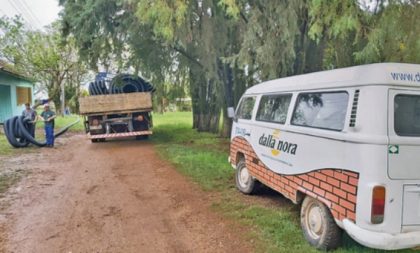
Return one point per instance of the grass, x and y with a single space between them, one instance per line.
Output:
63 121
203 158
5 148
190 151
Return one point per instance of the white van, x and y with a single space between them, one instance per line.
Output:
345 144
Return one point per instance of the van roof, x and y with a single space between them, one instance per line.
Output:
393 74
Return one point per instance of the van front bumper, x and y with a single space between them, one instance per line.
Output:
380 240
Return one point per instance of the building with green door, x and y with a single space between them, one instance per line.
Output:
15 91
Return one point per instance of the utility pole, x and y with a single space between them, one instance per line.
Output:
63 99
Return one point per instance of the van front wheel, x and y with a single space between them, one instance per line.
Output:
244 181
318 225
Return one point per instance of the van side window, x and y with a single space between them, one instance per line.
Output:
273 108
326 110
245 108
407 115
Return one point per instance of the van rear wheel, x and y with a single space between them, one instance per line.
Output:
245 183
318 225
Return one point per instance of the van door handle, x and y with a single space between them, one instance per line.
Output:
247 134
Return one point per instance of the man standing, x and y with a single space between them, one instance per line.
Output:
30 114
48 117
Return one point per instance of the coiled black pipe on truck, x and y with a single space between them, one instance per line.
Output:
126 83
122 83
17 133
98 88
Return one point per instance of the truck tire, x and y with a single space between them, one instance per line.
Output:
245 183
318 225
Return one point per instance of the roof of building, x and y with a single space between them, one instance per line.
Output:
394 74
8 69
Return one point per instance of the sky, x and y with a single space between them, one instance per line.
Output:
36 13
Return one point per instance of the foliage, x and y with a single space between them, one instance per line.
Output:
396 37
43 56
216 49
358 34
109 34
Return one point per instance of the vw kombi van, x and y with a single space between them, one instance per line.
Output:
344 144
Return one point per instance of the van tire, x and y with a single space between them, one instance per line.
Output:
318 225
245 183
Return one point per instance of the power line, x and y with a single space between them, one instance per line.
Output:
31 13
25 12
20 12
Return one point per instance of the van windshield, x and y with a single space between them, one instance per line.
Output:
407 115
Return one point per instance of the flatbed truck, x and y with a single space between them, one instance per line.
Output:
117 115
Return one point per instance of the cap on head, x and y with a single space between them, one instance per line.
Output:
46 106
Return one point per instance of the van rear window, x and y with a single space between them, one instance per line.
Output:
326 110
245 108
273 108
407 115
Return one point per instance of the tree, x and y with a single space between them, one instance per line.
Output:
44 56
222 47
108 34
358 34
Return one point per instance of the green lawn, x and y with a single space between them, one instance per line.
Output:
203 158
5 148
63 121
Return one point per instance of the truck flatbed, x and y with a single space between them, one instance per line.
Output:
115 103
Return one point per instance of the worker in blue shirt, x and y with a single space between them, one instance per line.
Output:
48 117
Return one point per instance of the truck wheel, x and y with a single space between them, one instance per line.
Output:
318 225
94 140
245 183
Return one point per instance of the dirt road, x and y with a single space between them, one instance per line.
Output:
110 197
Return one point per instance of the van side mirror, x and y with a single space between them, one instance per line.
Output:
231 112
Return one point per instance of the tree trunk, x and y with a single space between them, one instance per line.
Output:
226 74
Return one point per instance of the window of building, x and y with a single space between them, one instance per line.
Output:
23 95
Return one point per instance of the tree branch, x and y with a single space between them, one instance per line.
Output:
188 56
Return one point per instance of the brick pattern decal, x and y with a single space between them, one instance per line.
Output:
336 188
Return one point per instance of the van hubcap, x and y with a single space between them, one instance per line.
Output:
244 177
314 221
